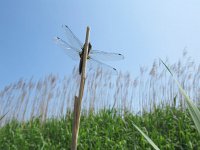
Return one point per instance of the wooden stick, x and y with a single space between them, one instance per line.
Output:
78 100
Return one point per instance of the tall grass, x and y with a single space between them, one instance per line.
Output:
53 96
152 94
193 109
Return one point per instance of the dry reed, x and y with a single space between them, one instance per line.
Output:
54 97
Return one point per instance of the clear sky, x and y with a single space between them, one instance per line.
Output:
141 30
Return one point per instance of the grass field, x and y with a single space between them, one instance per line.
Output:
169 128
39 113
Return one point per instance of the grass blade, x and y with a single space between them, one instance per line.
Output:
194 111
146 137
3 116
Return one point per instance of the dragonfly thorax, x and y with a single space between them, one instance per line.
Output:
89 48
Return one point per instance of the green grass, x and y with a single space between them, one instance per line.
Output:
169 128
169 118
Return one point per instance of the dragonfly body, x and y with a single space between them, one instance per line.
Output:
81 56
75 49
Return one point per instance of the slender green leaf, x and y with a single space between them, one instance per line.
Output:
146 137
194 111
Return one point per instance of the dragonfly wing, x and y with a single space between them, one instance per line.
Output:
69 50
105 56
72 39
93 64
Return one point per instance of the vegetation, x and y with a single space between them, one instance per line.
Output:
169 128
39 113
193 109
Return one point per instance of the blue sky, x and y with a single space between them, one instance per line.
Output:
141 30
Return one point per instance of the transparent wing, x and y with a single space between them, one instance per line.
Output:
105 56
72 39
69 50
93 64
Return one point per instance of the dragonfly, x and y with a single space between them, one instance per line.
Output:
74 48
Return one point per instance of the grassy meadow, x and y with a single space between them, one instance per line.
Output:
169 128
39 112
